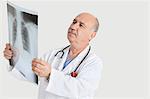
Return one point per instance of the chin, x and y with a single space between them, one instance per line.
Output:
70 37
71 40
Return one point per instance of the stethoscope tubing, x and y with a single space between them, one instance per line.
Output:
62 51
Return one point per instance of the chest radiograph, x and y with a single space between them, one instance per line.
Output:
22 25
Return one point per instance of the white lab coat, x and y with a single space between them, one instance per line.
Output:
62 85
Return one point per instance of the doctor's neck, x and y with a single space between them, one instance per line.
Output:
75 50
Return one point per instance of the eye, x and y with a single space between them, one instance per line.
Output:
81 25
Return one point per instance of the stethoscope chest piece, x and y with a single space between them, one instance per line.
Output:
74 74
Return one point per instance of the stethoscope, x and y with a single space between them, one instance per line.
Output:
74 73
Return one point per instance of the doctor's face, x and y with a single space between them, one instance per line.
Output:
81 30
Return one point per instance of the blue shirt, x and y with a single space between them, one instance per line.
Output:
67 62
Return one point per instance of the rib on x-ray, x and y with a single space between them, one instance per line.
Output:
25 37
23 28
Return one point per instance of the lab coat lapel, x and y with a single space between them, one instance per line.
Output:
74 63
63 59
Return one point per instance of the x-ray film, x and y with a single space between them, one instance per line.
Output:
23 37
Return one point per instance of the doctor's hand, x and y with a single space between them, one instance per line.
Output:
8 53
41 68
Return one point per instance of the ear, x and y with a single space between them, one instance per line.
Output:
93 34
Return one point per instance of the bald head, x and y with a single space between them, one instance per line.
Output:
83 29
93 19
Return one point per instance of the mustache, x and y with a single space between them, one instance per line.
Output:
72 31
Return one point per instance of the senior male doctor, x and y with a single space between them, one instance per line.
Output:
72 72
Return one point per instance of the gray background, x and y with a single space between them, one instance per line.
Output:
122 43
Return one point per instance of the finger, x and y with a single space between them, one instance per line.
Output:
35 72
39 66
7 57
35 69
8 46
43 63
35 60
8 52
34 63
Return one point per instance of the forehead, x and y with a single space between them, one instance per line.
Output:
86 19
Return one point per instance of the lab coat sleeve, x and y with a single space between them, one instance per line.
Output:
83 85
15 72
